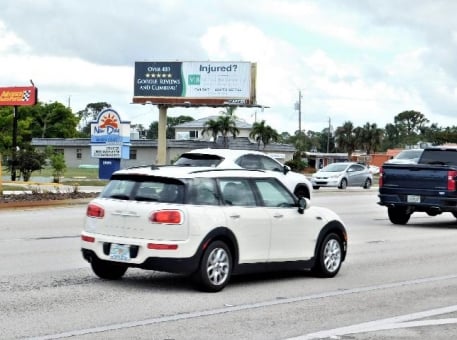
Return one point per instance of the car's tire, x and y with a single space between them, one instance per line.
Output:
329 256
108 270
215 268
302 191
343 184
316 187
367 184
398 215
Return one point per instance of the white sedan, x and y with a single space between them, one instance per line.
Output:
342 175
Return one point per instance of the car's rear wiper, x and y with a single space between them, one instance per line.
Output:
145 199
438 162
120 196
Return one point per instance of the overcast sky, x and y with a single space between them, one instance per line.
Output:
353 60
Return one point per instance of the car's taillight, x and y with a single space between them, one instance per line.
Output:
381 177
166 216
94 210
451 178
89 239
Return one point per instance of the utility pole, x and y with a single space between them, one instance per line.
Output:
328 134
298 107
299 111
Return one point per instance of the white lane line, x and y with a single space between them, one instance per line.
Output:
230 309
402 321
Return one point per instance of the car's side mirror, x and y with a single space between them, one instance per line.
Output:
286 169
303 204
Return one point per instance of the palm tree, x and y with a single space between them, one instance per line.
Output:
227 124
346 138
263 133
371 137
212 128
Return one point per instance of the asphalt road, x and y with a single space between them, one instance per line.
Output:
399 282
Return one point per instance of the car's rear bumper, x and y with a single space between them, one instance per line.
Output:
164 257
164 264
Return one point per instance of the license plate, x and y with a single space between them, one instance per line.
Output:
413 199
119 252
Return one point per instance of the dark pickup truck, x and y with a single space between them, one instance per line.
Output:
429 186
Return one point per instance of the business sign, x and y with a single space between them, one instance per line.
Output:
109 137
106 151
18 96
108 128
201 83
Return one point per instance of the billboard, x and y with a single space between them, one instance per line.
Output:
18 96
195 83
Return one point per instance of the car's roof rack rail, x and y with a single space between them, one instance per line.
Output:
226 169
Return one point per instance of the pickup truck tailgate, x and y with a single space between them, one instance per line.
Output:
415 177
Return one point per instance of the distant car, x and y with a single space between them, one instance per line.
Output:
374 169
409 156
298 183
342 175
208 224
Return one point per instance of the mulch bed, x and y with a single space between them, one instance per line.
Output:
42 199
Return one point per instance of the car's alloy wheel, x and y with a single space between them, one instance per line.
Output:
215 268
108 270
329 257
343 184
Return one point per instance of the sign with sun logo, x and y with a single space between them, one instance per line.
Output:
110 136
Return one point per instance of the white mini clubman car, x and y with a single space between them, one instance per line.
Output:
209 224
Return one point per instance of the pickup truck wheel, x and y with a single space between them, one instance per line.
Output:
367 184
343 184
398 215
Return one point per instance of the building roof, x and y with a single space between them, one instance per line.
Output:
240 143
200 123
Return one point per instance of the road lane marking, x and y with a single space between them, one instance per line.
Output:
397 322
236 308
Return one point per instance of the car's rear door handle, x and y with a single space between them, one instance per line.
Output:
235 216
278 215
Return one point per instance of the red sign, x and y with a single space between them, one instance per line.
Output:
18 95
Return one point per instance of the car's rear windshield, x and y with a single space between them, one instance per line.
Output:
144 188
439 157
409 154
197 159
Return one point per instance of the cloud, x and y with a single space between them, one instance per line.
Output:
353 61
